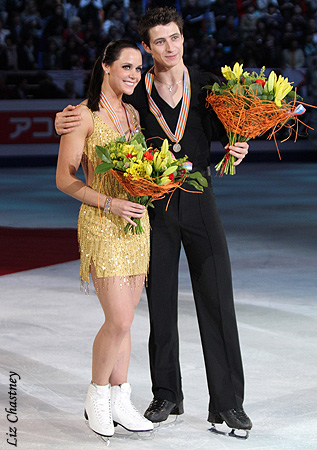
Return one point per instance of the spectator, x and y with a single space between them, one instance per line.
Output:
90 10
28 53
31 18
71 8
90 51
288 34
194 23
114 19
208 47
71 58
263 5
11 53
56 25
260 32
271 52
249 53
312 29
219 60
131 31
312 7
299 23
293 57
222 9
51 55
16 27
75 30
248 22
242 6
91 33
310 48
3 33
191 53
228 35
286 8
274 21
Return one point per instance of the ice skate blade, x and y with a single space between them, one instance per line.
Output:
169 422
104 439
233 433
123 433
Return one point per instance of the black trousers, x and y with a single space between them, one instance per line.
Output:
193 219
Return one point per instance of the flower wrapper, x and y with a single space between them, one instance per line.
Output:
145 173
249 105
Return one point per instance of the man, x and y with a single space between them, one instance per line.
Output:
171 105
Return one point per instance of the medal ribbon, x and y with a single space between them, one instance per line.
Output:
104 102
183 114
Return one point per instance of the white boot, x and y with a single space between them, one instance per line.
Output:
98 409
124 412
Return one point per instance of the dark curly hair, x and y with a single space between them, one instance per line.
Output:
158 16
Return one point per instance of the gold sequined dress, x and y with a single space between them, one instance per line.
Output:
102 239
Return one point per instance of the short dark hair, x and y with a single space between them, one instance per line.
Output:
158 16
110 54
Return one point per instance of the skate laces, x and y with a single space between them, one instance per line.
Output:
241 414
130 408
102 408
156 405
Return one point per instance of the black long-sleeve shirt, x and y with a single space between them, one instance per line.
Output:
202 125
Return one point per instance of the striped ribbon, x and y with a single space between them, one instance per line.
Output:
104 102
183 114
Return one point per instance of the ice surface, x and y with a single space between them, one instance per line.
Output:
48 326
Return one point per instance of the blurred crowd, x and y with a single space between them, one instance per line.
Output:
45 35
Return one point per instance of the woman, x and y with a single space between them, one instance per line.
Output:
117 262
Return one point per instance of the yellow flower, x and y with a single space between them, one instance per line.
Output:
157 161
164 148
170 170
148 169
233 74
227 73
237 70
269 86
281 88
127 148
139 155
163 180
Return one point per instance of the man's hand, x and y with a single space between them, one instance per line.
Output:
239 150
67 120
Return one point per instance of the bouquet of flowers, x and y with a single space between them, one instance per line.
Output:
145 173
249 104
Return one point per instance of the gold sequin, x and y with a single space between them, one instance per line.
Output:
104 242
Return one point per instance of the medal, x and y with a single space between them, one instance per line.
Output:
177 147
183 114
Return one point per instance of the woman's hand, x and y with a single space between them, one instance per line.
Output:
239 150
126 209
67 120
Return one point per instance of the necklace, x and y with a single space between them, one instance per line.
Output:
183 114
170 86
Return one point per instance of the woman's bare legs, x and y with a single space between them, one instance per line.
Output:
112 345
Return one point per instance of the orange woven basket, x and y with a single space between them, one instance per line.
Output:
251 117
141 187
